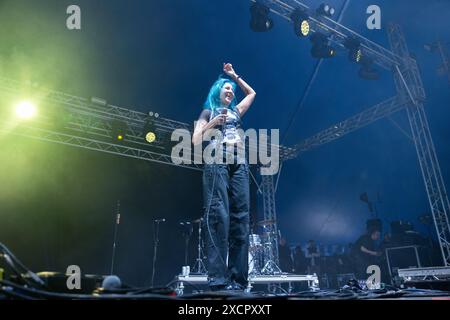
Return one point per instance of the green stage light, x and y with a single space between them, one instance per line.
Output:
26 110
119 130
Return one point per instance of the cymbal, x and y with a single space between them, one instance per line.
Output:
266 223
197 220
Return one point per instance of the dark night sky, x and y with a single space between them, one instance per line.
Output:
57 203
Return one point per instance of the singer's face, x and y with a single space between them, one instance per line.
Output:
226 94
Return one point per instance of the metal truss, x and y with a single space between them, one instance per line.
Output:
360 120
337 32
78 122
440 47
270 214
75 121
268 187
93 144
409 86
95 108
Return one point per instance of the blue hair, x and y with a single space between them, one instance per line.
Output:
213 100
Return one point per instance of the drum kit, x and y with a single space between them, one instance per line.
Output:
187 230
261 251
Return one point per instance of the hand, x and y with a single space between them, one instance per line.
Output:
219 120
378 254
229 71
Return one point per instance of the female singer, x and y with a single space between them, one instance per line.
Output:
226 190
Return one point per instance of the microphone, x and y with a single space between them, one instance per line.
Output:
224 112
160 220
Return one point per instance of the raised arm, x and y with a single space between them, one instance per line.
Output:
248 91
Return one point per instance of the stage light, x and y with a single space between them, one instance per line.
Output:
300 21
149 131
325 10
357 55
322 52
260 21
118 130
320 47
354 49
26 110
150 137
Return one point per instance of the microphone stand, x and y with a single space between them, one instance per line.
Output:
116 226
155 248
199 265
186 252
186 231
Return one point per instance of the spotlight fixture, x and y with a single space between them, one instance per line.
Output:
260 21
26 110
354 49
118 130
150 137
149 131
301 24
320 47
325 10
